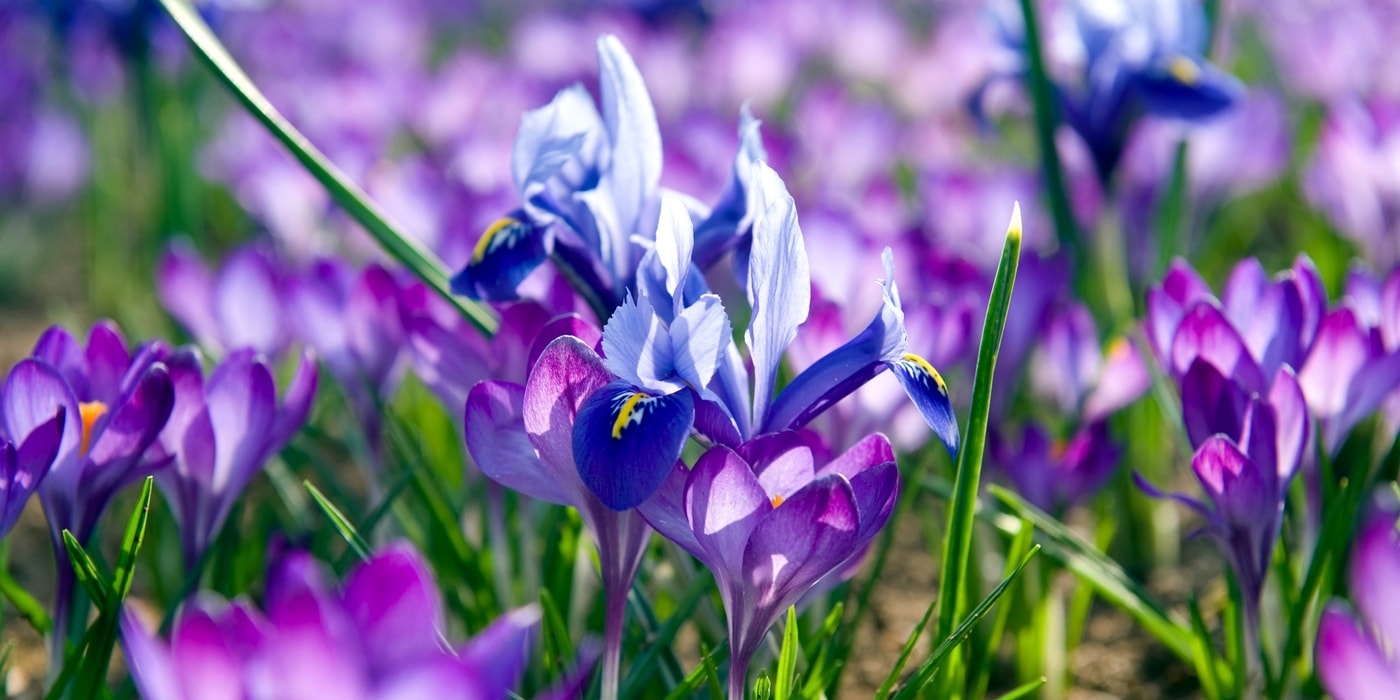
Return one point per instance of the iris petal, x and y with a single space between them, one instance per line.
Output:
503 257
626 440
929 393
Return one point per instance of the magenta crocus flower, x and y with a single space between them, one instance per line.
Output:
239 306
522 437
770 523
221 432
24 461
1356 653
379 637
118 402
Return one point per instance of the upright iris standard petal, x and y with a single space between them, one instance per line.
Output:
507 252
626 441
779 283
629 119
722 229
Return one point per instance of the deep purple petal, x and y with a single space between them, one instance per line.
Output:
799 542
107 361
872 450
876 489
33 392
131 426
1374 568
1349 664
666 511
566 324
59 350
374 324
501 652
626 440
1206 334
395 607
725 503
204 660
1211 403
507 252
499 445
568 372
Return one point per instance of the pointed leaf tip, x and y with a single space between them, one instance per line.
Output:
1014 229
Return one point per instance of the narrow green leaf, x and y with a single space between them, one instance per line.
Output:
786 679
559 648
132 540
1207 661
821 668
342 525
419 260
1046 123
28 608
957 543
641 669
981 668
1104 574
1022 691
906 652
707 671
924 674
86 569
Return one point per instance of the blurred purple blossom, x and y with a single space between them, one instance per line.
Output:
1354 176
1355 648
379 636
24 462
242 305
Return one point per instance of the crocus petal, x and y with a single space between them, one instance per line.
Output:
1205 333
1375 564
148 660
638 348
783 462
37 451
499 445
107 360
725 503
374 323
630 122
126 435
666 511
929 393
876 489
800 541
296 401
59 350
626 440
567 374
1349 664
1294 422
507 252
872 450
205 663
241 397
779 283
501 652
186 289
565 324
1123 380
394 604
440 678
247 303
1211 403
1181 289
1338 353
32 393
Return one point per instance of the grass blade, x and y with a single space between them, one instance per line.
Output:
28 608
1024 690
86 569
957 543
786 679
924 675
420 261
338 519
1046 122
707 671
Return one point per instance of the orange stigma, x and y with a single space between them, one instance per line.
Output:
776 501
91 411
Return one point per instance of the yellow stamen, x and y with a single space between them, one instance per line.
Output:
1118 348
1184 70
91 411
1058 449
484 243
624 414
928 368
776 501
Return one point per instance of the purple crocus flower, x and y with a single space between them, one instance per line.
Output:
770 523
523 438
221 432
239 306
679 369
379 637
355 322
1054 475
1349 372
118 401
24 461
1356 648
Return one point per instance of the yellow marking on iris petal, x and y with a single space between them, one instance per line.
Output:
1184 70
90 411
924 365
624 414
484 243
776 501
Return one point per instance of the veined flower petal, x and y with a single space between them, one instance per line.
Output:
507 252
929 393
626 440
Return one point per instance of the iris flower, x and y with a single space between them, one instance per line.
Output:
679 370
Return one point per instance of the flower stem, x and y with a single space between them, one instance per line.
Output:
613 627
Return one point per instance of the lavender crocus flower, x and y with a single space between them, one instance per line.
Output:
379 637
679 369
1356 648
522 437
24 461
770 524
118 401
1055 475
240 306
221 432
